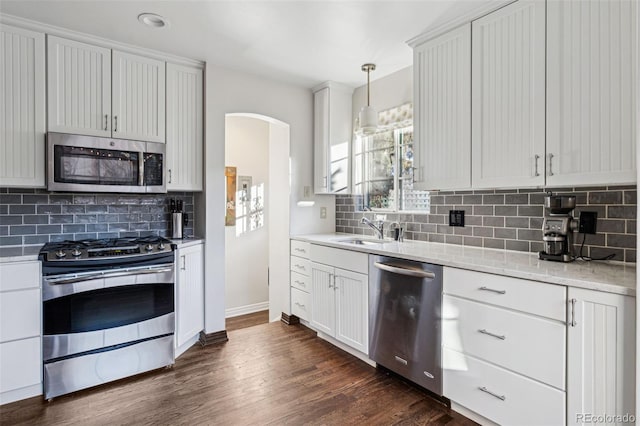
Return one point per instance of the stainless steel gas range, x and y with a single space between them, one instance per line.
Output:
108 310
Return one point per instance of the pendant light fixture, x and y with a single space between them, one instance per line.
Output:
368 117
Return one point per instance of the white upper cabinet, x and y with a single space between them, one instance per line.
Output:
591 84
138 97
442 110
99 92
79 88
22 107
508 97
184 128
332 138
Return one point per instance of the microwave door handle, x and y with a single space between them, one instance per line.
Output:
141 169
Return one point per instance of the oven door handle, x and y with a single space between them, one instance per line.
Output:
119 273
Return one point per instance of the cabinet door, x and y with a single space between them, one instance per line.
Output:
508 97
79 88
601 355
138 98
321 141
184 128
21 107
352 309
190 293
21 364
442 111
323 308
591 84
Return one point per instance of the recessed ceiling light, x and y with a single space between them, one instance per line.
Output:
153 20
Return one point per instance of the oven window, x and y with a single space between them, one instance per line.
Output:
106 308
95 166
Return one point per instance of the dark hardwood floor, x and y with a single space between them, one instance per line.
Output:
248 320
269 374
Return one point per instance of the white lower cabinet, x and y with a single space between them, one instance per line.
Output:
20 335
504 347
300 279
339 302
189 293
602 356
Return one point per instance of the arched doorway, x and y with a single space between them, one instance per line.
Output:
256 247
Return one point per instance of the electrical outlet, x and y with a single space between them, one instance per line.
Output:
323 212
587 223
456 217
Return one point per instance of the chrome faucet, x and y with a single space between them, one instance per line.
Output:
378 226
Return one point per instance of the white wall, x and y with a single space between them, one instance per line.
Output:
387 92
229 91
247 254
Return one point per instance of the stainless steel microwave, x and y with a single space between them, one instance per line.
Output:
78 163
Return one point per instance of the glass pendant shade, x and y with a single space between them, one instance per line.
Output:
368 119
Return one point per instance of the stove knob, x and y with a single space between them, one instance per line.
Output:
161 246
75 252
60 254
148 247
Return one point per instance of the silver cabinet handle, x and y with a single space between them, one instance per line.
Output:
550 164
300 267
324 182
169 175
495 395
411 272
537 157
300 304
106 121
300 283
330 280
493 290
573 322
115 120
184 262
300 250
483 331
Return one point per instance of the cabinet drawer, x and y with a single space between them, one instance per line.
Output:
19 314
533 346
301 304
19 275
301 282
516 400
534 297
21 365
300 248
343 259
300 265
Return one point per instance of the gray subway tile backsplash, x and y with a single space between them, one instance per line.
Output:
511 219
35 216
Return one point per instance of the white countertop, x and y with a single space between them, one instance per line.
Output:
19 253
186 242
612 277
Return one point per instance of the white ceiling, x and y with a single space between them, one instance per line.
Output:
302 42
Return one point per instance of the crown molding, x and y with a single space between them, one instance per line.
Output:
96 41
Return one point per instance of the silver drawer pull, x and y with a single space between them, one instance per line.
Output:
401 360
301 305
492 290
300 266
573 322
495 395
300 250
300 283
483 331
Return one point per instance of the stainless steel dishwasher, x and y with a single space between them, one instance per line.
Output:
405 301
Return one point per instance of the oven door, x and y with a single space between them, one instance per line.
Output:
104 309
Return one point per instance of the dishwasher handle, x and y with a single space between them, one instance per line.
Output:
411 272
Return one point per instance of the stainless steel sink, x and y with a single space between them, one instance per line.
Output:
361 241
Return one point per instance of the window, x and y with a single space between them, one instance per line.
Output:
250 207
384 165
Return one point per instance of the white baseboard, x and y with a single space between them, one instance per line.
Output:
22 393
247 309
